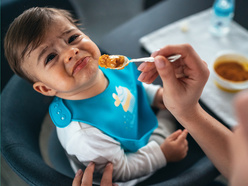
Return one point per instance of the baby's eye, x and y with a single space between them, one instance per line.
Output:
50 57
72 38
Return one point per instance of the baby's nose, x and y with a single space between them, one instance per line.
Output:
70 54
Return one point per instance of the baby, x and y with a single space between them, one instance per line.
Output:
101 115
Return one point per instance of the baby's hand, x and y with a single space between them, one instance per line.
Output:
158 99
175 147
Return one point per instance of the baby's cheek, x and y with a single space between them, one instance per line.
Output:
92 48
63 85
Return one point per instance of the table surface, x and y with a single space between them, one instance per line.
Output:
125 38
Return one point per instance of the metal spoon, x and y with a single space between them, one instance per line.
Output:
146 59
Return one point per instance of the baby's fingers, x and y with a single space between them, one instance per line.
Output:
175 134
183 135
185 152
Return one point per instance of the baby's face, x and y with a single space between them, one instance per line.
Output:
66 61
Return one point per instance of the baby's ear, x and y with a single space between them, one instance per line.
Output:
44 89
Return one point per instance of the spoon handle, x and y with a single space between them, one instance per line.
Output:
146 59
151 59
174 57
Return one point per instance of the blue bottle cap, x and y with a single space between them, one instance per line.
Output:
223 8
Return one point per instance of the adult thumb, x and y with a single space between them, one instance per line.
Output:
165 70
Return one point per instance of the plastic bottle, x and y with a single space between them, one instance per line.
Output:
222 15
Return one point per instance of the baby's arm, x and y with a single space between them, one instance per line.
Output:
151 91
155 95
91 144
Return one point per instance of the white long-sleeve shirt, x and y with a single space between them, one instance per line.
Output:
88 143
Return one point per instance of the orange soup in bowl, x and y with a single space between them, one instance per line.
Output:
230 71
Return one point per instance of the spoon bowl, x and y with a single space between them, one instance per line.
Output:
119 62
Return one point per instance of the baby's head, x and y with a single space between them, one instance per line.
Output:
26 33
45 47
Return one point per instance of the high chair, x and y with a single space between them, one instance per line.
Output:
22 114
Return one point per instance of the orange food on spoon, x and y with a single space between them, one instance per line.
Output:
114 61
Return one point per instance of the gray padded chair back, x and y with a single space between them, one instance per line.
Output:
22 113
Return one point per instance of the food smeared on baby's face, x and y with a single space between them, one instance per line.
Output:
113 61
232 71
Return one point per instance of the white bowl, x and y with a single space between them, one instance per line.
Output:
225 84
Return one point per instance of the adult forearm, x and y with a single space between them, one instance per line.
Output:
212 136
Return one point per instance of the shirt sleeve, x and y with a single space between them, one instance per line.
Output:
151 91
90 144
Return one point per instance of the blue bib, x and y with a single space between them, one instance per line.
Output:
122 111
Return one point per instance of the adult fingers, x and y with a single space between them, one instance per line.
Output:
170 50
166 71
191 58
148 72
146 67
148 77
88 175
184 50
77 179
107 175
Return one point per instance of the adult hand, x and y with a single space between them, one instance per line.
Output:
85 178
183 80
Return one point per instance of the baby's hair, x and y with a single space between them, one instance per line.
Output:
27 32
